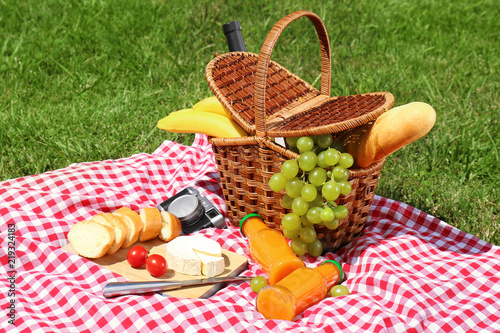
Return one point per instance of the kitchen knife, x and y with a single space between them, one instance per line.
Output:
126 288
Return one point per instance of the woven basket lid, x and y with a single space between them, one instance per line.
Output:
266 99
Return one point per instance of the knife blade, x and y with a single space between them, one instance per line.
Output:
127 288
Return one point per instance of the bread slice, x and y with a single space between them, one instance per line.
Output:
134 223
151 219
91 239
123 223
118 228
170 226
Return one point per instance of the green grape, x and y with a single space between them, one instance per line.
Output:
293 187
309 192
277 182
315 248
321 160
299 247
290 221
338 145
291 234
317 176
325 140
341 212
305 143
307 160
290 169
327 215
318 202
305 221
314 214
340 173
291 142
345 187
331 156
346 160
332 225
330 190
331 203
300 206
346 175
339 290
307 234
257 283
286 202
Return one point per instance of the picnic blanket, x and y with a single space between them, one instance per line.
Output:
407 272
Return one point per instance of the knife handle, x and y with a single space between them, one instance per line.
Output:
125 288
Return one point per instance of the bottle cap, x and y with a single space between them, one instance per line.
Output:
231 26
338 266
234 38
244 219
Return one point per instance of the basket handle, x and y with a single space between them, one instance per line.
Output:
265 57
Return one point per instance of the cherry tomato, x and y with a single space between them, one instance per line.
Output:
137 256
156 265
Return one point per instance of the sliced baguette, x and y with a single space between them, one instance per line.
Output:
170 226
134 223
91 239
123 223
118 228
151 219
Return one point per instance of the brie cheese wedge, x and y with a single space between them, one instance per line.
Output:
211 265
195 255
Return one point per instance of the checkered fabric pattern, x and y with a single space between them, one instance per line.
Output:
407 272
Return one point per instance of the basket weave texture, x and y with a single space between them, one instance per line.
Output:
269 101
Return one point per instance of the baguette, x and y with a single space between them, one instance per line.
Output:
170 226
391 131
91 239
134 223
151 219
118 228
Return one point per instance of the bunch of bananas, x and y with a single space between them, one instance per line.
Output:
208 116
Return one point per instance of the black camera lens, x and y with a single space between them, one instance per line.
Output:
194 211
187 208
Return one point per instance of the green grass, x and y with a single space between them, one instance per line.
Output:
88 80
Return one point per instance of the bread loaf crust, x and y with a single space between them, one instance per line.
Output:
151 219
393 130
134 222
170 226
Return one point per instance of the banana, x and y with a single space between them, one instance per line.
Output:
212 104
191 121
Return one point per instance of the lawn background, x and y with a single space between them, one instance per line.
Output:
88 80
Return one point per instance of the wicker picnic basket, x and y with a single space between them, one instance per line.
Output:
269 101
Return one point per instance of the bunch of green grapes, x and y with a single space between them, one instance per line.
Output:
312 183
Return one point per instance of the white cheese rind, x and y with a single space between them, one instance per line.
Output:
195 255
181 257
206 246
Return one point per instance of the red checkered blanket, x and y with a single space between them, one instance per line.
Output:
407 272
